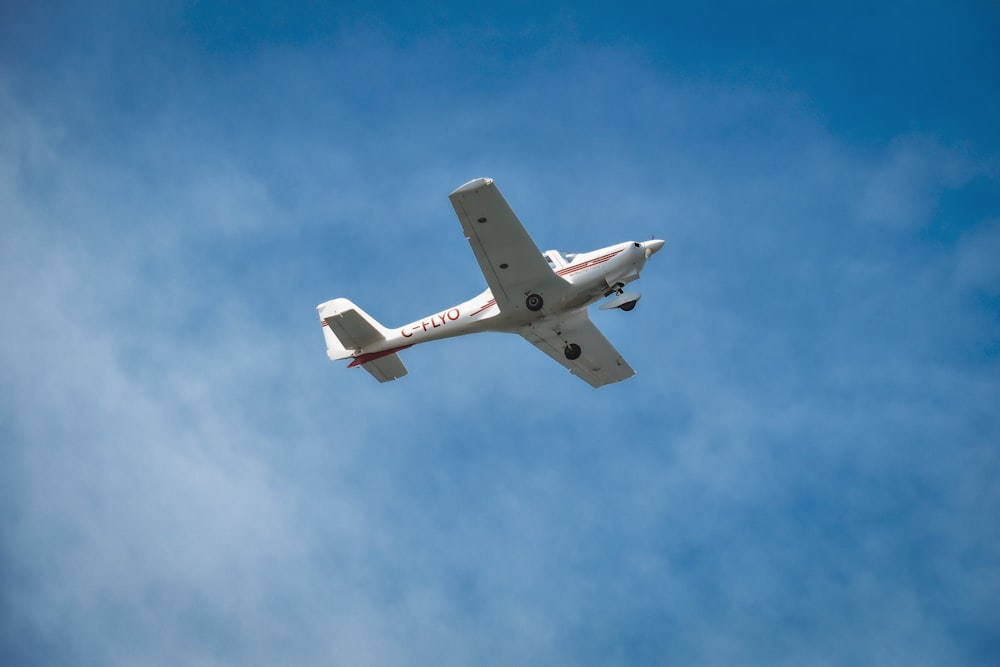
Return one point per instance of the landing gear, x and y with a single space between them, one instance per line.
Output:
533 302
628 306
572 351
617 288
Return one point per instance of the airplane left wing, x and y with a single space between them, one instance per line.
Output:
599 362
511 262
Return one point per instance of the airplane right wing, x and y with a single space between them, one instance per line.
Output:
511 262
599 362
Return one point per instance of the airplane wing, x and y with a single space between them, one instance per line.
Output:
511 262
599 362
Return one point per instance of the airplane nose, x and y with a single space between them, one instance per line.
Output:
652 247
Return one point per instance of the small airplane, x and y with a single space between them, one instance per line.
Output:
541 296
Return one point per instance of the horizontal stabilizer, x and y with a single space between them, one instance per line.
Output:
347 328
387 368
353 330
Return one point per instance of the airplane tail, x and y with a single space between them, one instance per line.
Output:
347 330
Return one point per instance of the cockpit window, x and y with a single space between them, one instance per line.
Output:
556 259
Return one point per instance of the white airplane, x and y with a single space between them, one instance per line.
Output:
541 296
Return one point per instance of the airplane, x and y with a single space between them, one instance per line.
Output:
541 296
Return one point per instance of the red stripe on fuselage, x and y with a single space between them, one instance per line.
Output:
489 304
590 263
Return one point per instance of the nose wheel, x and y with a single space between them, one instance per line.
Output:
572 351
534 302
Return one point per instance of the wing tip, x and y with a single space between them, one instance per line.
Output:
472 185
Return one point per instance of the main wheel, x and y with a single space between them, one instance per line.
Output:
628 306
572 351
533 302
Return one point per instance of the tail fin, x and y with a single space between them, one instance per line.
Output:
347 328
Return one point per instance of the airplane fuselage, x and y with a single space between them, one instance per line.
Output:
587 277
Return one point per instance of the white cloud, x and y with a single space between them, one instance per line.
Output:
903 191
978 252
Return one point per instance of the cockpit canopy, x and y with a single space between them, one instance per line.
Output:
558 260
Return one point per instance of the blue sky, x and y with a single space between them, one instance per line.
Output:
802 472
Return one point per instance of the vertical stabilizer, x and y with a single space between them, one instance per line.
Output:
348 329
